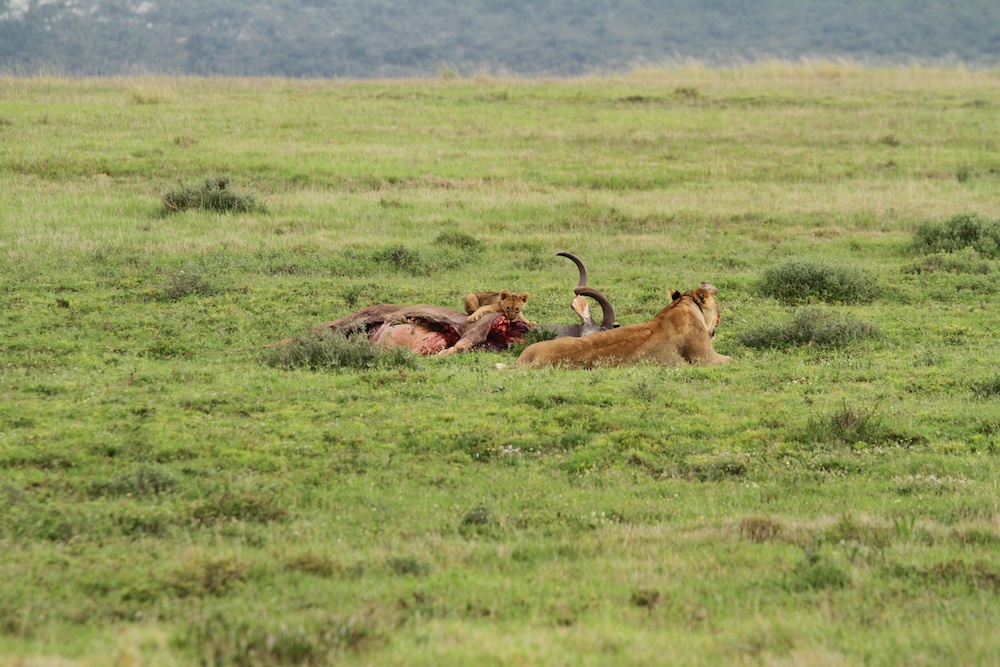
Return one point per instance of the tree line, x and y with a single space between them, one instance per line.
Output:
391 38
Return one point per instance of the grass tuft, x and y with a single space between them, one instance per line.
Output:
760 529
534 335
987 388
206 576
213 195
816 573
319 639
479 521
229 507
849 425
147 480
810 326
966 230
334 350
187 282
460 240
799 280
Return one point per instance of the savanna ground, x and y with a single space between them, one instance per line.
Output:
171 494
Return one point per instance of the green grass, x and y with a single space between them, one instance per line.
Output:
174 493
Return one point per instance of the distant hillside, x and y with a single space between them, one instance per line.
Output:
368 38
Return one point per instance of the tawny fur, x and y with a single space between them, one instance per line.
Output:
681 332
509 303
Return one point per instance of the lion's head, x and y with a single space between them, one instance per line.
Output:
704 298
512 304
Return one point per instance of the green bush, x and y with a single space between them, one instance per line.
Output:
213 195
333 350
965 260
363 261
810 326
187 282
799 280
966 230
459 240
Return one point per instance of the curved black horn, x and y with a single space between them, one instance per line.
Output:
579 265
608 321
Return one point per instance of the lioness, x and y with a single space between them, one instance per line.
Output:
510 304
681 332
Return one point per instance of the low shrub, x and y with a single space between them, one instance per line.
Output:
966 230
333 350
214 195
799 280
964 260
849 425
187 282
459 240
810 326
367 261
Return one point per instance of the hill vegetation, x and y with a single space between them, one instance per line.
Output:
378 38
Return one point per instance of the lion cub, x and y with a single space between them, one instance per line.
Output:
510 304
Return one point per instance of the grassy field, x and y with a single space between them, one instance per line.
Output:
169 496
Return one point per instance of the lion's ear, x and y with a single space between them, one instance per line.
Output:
504 294
524 296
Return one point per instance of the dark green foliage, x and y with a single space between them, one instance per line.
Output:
408 565
203 576
400 258
534 335
230 506
460 240
214 195
848 425
760 529
810 326
980 575
391 259
646 598
187 282
479 521
712 468
581 37
967 230
146 480
989 388
333 350
262 640
816 572
965 260
849 530
799 280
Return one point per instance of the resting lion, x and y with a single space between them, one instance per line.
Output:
681 332
509 303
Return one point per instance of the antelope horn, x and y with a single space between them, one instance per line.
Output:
579 265
608 321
